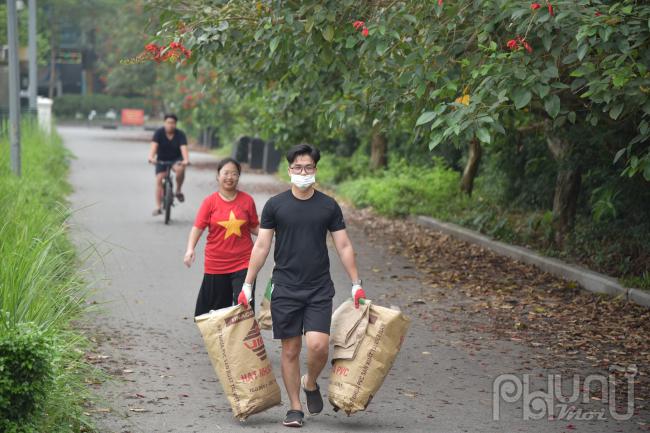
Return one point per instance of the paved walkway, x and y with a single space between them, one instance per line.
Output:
163 379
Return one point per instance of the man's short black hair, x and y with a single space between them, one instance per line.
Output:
170 116
303 149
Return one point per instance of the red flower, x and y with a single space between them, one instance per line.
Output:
358 24
172 52
519 42
535 6
440 3
598 13
364 32
550 8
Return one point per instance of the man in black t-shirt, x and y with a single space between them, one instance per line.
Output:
301 301
169 144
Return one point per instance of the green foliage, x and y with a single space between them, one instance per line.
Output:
404 190
432 77
67 106
520 172
445 70
42 34
333 170
40 284
25 375
577 70
121 34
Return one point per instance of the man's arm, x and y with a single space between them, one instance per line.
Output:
346 253
185 154
260 252
153 150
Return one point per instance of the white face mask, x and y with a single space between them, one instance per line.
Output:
303 182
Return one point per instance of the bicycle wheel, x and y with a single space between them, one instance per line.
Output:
168 200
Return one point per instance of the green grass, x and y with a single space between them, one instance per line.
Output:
403 190
637 282
40 283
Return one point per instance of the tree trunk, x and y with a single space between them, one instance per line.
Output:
567 188
471 168
378 148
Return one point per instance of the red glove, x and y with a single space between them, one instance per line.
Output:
245 294
357 294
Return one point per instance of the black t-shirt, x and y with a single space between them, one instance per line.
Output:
169 150
301 227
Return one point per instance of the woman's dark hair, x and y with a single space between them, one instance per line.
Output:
170 116
221 164
303 149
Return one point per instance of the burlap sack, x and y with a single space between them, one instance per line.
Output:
236 349
348 329
264 316
358 374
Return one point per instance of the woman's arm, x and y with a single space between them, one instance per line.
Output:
192 240
255 230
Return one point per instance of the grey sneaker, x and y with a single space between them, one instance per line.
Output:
294 418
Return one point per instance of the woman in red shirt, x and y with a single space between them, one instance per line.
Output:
231 218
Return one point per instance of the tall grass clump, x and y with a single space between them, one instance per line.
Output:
42 368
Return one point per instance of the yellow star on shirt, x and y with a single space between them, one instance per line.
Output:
232 225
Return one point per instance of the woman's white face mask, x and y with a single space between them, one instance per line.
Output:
303 181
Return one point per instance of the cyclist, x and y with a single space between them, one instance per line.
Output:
169 144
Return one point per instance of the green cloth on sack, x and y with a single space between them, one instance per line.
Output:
269 289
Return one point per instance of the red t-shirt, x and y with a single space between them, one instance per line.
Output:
229 244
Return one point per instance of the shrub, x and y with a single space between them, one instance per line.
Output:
403 190
25 375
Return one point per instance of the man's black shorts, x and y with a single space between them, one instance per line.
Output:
161 168
297 311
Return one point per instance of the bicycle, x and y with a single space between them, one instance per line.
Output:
168 189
